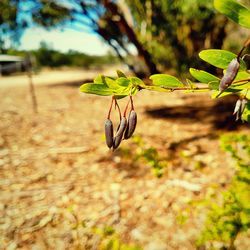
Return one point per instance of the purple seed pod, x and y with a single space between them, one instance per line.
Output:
132 121
109 133
230 74
119 134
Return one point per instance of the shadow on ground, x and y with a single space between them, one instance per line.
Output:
74 84
218 114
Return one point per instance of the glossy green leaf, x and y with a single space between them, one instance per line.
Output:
203 76
100 79
242 85
123 81
242 75
235 11
166 81
96 89
246 113
120 74
136 81
214 85
220 58
111 83
123 91
228 91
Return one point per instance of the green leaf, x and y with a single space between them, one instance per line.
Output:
99 80
241 86
220 58
123 91
97 89
228 91
214 85
123 81
166 81
246 113
111 83
203 76
120 74
235 11
136 81
242 75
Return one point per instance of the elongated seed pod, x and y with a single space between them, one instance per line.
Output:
132 121
230 74
109 133
119 134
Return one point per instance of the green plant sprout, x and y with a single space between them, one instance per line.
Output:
236 79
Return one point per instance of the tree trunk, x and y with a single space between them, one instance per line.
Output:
125 28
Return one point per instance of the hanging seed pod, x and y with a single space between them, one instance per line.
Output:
230 74
119 134
109 133
132 121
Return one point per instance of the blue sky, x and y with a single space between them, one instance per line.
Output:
64 40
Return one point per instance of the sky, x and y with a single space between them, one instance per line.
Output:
64 40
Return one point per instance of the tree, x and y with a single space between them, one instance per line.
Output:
175 31
165 33
102 17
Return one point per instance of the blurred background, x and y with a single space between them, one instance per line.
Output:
60 187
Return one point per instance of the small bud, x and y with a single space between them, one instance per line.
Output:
132 121
109 133
230 74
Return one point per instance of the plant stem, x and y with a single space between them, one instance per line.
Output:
110 107
116 104
125 111
243 80
182 88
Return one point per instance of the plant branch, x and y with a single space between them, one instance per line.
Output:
243 80
175 89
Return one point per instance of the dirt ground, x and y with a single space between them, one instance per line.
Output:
60 185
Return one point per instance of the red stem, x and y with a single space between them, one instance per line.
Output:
110 107
125 111
116 104
132 103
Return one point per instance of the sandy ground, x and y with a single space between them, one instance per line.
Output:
60 185
47 77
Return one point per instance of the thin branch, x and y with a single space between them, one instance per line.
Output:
243 80
174 89
110 107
